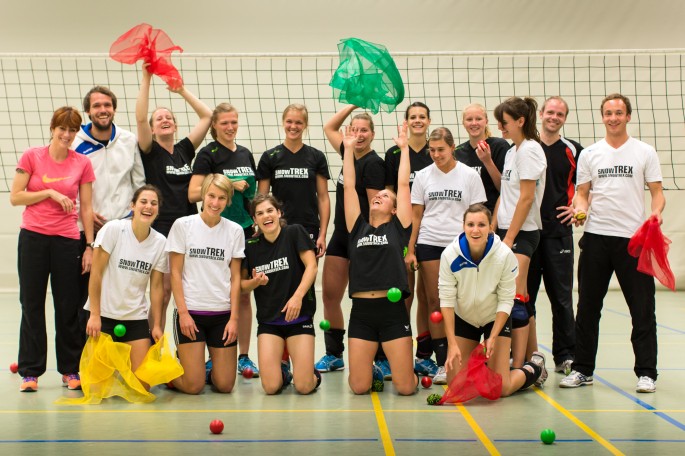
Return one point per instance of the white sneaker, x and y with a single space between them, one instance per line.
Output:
575 379
539 360
564 367
441 377
646 385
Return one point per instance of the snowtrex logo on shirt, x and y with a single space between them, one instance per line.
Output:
372 239
279 264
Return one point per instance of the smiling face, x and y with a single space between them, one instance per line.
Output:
511 128
101 111
162 123
441 153
294 124
226 127
62 136
267 218
364 135
214 201
615 117
146 207
477 229
475 120
418 121
384 202
553 116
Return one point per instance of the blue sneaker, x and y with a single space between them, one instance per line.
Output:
384 366
286 374
329 363
208 372
425 367
246 363
377 383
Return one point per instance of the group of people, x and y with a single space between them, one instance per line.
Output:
471 230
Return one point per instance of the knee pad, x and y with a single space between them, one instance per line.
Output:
530 376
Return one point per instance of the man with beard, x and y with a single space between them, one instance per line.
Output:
553 259
118 168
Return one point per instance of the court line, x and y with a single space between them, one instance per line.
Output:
679 331
433 410
588 430
186 441
643 404
639 402
482 436
382 425
624 411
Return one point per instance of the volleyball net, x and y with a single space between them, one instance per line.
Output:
32 86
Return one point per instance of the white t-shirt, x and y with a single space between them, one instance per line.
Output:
618 178
208 253
445 197
125 279
526 163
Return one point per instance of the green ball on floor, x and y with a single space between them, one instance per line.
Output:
547 436
433 399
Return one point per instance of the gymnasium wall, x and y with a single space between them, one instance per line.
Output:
297 26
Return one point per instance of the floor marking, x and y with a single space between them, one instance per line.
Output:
487 443
382 425
588 430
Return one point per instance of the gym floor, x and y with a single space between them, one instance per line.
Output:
607 417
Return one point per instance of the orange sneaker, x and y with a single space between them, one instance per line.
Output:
29 385
71 381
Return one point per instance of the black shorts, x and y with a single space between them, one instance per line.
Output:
425 252
286 331
468 331
337 246
211 330
135 329
525 243
313 232
378 320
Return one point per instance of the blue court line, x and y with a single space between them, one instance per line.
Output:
623 314
186 441
642 404
538 440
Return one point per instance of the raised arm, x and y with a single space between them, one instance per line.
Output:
332 127
404 209
199 131
142 107
352 208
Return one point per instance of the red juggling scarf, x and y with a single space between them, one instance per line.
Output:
476 380
650 246
154 47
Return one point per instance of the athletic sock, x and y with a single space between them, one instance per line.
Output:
440 349
424 346
334 342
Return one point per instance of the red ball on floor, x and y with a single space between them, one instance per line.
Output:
426 382
216 426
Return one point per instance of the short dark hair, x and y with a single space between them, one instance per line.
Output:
147 187
99 89
617 96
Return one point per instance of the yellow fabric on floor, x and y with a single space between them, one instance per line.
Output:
105 370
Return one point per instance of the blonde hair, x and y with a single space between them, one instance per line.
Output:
220 109
219 181
364 116
480 107
442 134
302 109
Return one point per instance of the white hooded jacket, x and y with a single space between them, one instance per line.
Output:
118 170
477 291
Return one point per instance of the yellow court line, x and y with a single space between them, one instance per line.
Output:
14 412
627 411
487 443
382 425
588 430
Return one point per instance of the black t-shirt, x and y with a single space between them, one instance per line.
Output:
377 256
293 181
171 174
498 150
562 157
417 161
369 173
281 262
238 165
